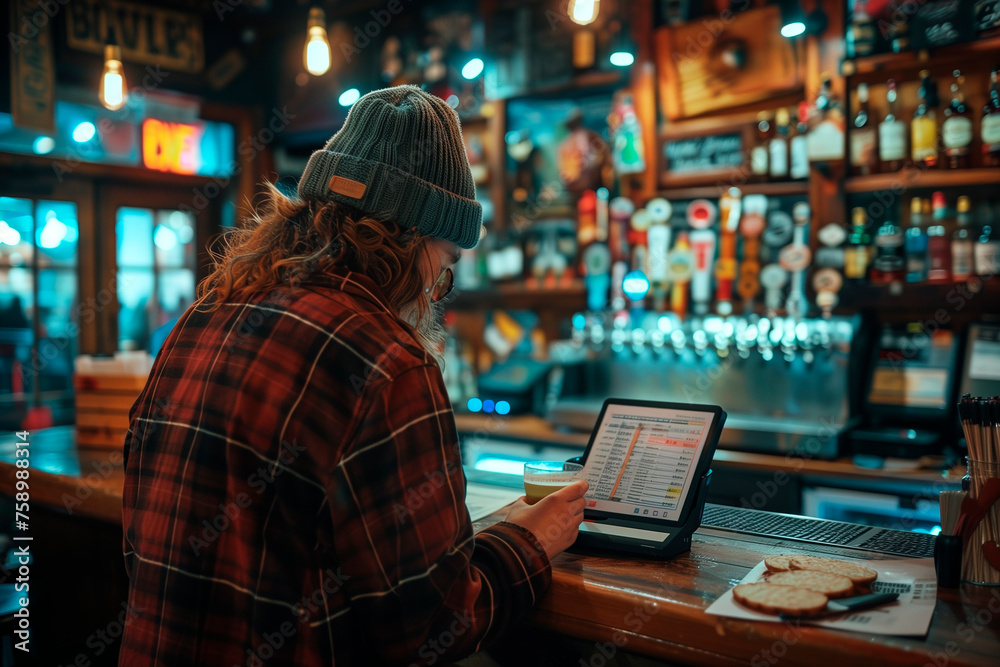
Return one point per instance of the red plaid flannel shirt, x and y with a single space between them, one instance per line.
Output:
294 495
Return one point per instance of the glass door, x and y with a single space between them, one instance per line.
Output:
158 249
39 313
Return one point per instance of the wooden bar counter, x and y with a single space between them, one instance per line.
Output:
621 605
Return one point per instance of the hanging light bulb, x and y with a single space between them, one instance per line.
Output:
113 92
584 12
317 53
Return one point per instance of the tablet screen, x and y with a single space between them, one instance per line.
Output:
642 460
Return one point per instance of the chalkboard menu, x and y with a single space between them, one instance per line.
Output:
702 154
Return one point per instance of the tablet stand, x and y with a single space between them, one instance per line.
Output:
678 542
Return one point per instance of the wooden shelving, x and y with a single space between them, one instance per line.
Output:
909 63
717 190
978 295
517 296
916 178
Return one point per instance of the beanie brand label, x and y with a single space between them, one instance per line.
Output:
347 187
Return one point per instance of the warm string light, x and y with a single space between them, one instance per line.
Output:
317 51
113 92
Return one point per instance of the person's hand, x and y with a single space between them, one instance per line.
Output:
555 519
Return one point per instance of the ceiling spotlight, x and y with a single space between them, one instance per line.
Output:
622 47
793 21
473 68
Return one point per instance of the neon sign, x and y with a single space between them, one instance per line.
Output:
174 147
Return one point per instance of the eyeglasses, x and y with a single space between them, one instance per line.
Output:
443 285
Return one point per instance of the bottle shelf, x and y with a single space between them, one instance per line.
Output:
915 178
907 64
716 190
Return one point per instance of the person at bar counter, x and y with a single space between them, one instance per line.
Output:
293 484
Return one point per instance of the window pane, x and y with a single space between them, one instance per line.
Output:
134 230
135 294
16 336
56 233
176 289
16 248
174 239
57 335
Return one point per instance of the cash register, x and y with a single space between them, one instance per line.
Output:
909 392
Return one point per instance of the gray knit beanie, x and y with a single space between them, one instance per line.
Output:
400 157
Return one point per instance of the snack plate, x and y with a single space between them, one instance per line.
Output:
909 616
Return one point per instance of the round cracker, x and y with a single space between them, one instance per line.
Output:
777 599
859 574
778 563
830 585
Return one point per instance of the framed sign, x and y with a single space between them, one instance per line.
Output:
150 35
723 62
32 67
700 155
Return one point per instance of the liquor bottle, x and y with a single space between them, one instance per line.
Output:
778 148
864 157
897 31
938 246
798 148
956 130
861 32
857 254
888 265
892 135
962 262
759 153
989 130
916 244
987 251
924 130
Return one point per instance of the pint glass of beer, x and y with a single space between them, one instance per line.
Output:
544 477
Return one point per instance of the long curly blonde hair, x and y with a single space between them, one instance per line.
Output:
288 241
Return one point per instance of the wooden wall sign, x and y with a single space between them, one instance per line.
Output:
32 67
724 61
149 35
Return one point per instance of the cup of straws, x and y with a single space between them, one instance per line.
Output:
979 518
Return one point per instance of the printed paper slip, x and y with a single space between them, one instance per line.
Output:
484 499
910 615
